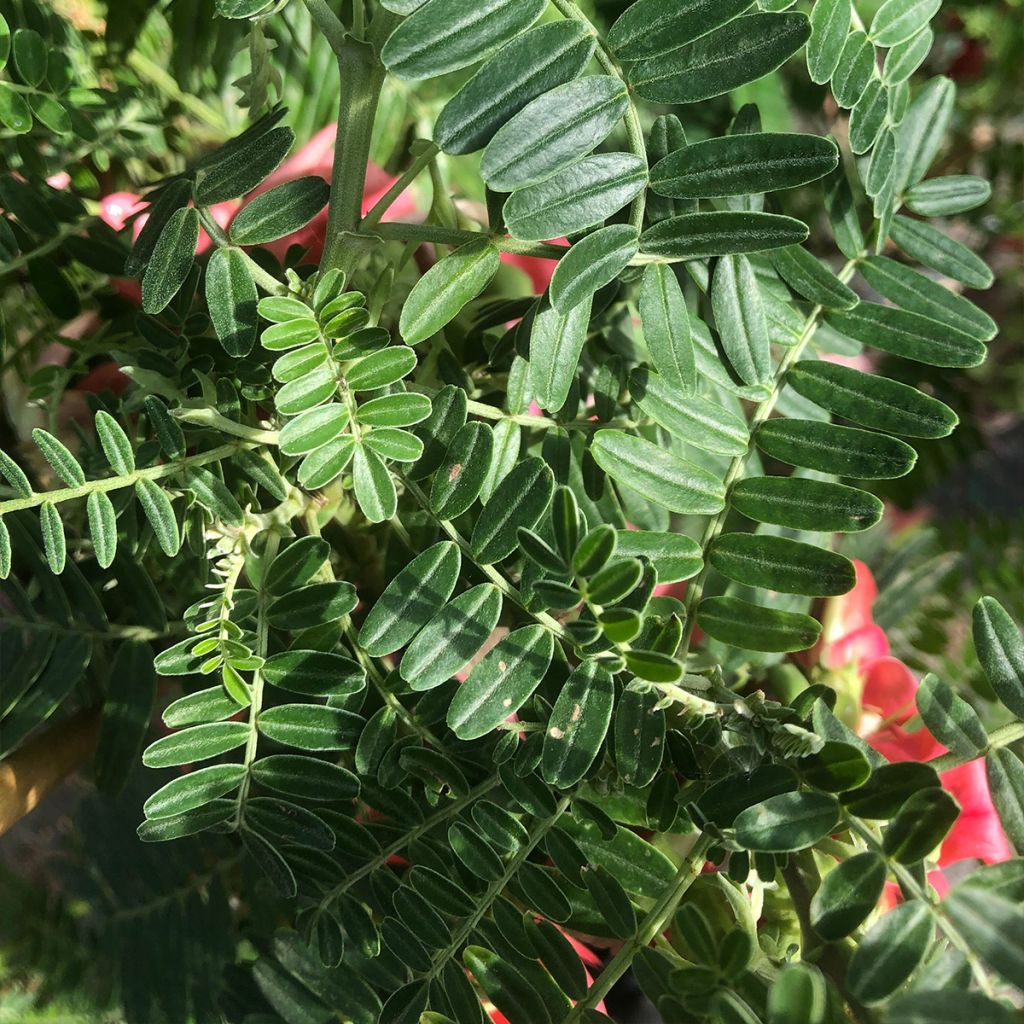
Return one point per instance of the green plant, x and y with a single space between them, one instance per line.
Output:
396 530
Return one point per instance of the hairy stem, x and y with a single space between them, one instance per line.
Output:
1001 737
398 231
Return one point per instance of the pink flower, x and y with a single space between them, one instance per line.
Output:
888 702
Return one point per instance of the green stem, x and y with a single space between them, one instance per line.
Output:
362 76
446 812
634 130
1001 737
219 237
738 466
429 154
494 890
215 421
397 231
327 22
652 925
116 483
256 688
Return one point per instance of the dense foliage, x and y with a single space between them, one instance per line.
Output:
462 630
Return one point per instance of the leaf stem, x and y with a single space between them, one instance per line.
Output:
1001 737
425 158
651 926
116 483
399 231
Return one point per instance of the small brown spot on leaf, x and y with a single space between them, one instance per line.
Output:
454 471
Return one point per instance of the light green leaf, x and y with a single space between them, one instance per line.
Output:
306 392
64 464
922 131
856 64
666 327
674 555
305 778
952 194
199 743
54 543
929 246
212 494
438 297
553 131
231 299
657 474
537 61
755 628
737 53
720 233
193 790
114 441
157 508
906 57
736 165
374 488
576 198
501 683
830 25
445 35
740 319
847 895
102 527
896 21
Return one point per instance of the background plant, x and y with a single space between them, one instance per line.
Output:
394 546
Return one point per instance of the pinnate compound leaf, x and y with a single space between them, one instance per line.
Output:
556 343
740 319
578 725
658 474
720 233
580 196
537 61
445 35
451 638
804 504
590 264
789 821
756 628
411 599
554 131
830 25
666 327
847 895
872 400
280 211
1001 652
517 502
500 684
739 52
736 165
439 295
650 28
193 790
157 508
171 260
231 299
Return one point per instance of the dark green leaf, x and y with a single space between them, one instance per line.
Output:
929 246
810 278
674 556
666 327
1005 774
580 196
578 725
740 319
639 737
193 790
949 718
171 261
554 131
889 788
556 342
804 504
752 627
993 928
517 999
532 64
789 821
315 673
305 778
54 542
411 600
445 35
1001 652
231 299
844 451
280 211
657 474
311 727
720 233
590 264
947 1006
737 53
781 564
649 28
157 508
920 826
438 296
518 501
239 170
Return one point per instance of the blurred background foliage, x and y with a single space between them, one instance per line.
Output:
77 941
